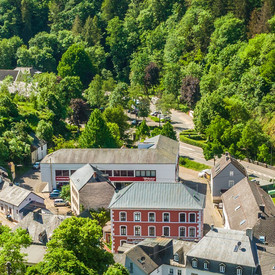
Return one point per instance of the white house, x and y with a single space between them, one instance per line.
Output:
15 200
156 159
38 149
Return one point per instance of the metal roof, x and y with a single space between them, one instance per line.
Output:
157 195
219 245
163 151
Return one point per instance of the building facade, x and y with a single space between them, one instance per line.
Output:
147 210
156 159
224 175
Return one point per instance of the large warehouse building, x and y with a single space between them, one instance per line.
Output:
155 159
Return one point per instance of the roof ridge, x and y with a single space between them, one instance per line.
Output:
126 189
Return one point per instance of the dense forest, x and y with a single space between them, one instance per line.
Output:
216 57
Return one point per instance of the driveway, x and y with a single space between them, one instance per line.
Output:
211 214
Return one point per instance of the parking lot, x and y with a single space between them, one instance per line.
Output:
31 180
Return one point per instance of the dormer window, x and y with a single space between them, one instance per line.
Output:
194 263
176 257
222 268
206 265
239 270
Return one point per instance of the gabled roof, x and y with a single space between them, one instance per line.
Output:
86 174
220 245
164 151
36 142
243 202
14 195
265 227
157 195
5 73
223 162
40 225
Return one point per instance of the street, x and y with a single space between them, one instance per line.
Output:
182 121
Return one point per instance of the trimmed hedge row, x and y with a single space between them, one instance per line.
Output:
187 140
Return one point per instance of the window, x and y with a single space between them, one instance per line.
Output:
192 217
230 183
182 217
123 173
166 217
166 231
107 172
182 231
222 268
62 173
171 271
192 232
231 173
146 173
2 208
206 265
239 270
137 231
122 216
65 173
179 272
176 257
194 263
151 231
137 217
131 268
151 217
123 230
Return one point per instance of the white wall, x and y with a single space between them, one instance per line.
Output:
165 270
191 271
164 172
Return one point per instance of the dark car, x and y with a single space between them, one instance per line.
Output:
54 195
36 166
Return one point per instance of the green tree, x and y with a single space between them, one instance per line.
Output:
60 261
44 130
96 133
112 8
91 31
119 96
117 269
117 115
263 153
82 237
11 244
66 192
144 107
76 62
168 131
71 87
95 93
143 130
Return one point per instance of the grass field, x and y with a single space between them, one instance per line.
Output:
190 164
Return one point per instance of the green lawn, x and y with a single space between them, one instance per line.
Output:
273 200
190 164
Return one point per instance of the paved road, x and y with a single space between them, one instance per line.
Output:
182 121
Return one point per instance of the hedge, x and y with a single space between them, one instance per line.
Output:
187 140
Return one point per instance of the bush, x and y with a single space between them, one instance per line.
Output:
187 140
190 164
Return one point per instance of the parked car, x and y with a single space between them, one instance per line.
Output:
54 195
36 166
134 122
167 118
60 202
155 113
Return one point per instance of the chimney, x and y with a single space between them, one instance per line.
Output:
249 233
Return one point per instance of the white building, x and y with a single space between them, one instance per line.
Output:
16 200
38 149
156 159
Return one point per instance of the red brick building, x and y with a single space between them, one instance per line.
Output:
148 209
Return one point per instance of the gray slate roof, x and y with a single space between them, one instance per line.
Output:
223 162
157 195
85 175
266 259
14 195
5 73
242 202
40 222
164 151
218 245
